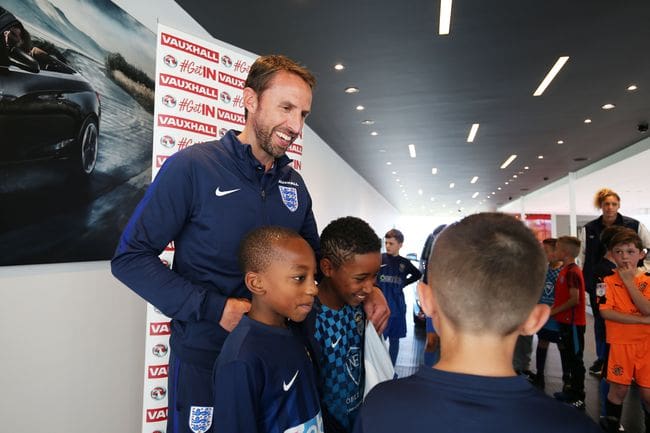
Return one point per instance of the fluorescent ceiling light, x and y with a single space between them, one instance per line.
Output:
632 87
339 67
420 192
474 179
451 185
551 74
540 156
374 133
508 161
434 170
351 90
608 106
412 150
472 133
360 107
445 17
475 195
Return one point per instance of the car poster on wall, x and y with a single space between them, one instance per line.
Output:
76 127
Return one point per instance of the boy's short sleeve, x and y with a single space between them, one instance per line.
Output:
573 278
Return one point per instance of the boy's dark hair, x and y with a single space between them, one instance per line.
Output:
395 234
550 241
626 236
265 67
256 248
487 272
608 233
345 237
572 244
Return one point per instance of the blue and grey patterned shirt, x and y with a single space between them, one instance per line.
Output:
340 336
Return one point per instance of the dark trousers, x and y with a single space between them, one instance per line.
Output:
572 346
189 386
599 327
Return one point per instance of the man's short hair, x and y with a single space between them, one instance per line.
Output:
626 236
346 237
395 234
487 272
256 251
571 244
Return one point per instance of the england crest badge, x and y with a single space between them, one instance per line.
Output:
289 197
200 418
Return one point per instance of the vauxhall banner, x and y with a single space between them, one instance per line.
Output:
198 98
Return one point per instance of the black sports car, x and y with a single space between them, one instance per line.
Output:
47 111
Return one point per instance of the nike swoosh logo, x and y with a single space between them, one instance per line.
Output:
286 386
220 193
336 343
385 264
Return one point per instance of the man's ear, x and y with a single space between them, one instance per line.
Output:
250 99
535 320
326 266
254 282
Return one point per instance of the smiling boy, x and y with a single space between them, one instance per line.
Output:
264 379
350 262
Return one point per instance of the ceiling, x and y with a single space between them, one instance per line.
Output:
425 89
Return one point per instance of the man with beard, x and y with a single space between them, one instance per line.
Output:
205 199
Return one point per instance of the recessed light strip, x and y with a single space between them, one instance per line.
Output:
445 17
472 133
551 75
508 161
412 150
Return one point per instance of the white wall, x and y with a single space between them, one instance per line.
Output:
72 337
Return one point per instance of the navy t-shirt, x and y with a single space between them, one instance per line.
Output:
444 402
264 382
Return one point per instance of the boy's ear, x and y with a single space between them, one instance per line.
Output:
326 266
254 282
429 304
250 99
426 298
535 320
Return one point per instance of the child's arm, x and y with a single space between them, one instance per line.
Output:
574 298
627 275
412 273
617 316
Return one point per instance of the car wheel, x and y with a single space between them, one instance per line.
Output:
87 146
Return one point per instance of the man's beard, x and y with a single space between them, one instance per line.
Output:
265 139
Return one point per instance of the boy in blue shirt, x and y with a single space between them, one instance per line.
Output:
351 257
396 273
264 378
486 275
550 331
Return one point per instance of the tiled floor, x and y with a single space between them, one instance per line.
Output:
411 356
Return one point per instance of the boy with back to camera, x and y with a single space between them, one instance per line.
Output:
264 379
350 260
627 318
486 275
396 273
569 311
